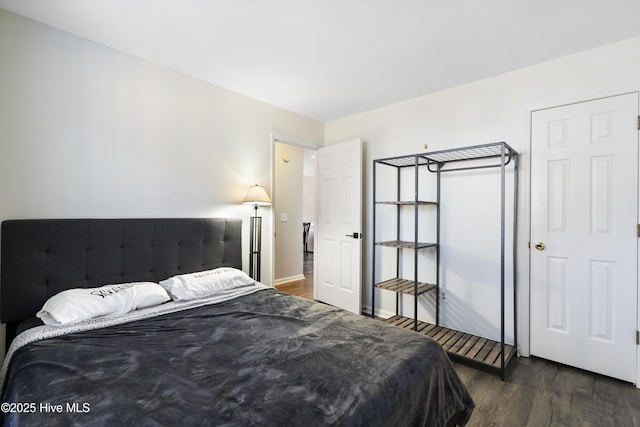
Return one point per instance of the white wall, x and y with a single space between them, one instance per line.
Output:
309 198
494 109
309 208
87 131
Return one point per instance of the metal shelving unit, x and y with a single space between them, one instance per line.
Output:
493 355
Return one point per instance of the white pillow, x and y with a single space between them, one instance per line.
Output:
205 283
74 305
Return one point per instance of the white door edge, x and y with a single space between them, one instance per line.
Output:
329 286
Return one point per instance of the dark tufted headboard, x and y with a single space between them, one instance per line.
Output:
42 257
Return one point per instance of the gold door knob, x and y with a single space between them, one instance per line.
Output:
540 246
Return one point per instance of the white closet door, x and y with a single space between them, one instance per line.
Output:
584 247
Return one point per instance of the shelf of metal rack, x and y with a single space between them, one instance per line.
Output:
407 203
405 244
405 286
460 346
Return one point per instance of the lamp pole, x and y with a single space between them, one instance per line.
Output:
256 195
255 244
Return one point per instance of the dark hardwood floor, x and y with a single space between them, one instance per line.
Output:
536 392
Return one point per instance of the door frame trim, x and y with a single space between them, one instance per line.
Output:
524 257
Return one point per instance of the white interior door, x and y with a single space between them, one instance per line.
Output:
584 211
338 232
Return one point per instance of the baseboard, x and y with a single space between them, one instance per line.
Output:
285 280
379 313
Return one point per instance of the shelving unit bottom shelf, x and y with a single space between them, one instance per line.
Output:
461 346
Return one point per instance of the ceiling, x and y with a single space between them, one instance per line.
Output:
328 59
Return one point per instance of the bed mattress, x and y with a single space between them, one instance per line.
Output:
263 359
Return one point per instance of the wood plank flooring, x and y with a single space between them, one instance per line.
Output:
537 392
301 288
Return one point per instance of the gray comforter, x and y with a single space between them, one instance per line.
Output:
264 359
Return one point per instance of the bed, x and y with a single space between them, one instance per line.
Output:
242 355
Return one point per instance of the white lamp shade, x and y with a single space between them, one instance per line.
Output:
257 195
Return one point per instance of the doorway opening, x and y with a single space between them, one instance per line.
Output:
294 208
